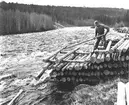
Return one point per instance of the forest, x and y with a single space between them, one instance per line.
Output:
22 18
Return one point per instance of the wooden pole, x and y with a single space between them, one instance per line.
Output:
68 54
121 94
43 71
84 41
54 54
101 51
7 76
109 46
75 61
16 97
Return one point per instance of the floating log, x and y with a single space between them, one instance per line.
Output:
121 94
7 76
16 97
43 71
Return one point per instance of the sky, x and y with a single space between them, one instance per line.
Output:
77 3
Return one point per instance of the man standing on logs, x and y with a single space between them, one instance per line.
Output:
100 31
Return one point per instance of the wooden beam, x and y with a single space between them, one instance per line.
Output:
101 51
109 46
75 61
68 54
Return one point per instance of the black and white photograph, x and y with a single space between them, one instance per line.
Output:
64 52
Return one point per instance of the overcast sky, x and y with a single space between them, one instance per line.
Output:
82 3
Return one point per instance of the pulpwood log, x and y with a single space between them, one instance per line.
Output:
93 58
116 45
120 48
107 57
99 59
79 66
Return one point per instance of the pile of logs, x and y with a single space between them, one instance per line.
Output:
99 65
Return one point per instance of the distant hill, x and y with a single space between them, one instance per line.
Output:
66 15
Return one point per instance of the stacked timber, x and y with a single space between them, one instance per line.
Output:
99 65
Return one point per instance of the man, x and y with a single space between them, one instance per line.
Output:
100 31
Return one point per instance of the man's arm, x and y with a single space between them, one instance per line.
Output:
107 28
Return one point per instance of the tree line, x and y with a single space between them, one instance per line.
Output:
16 18
14 21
